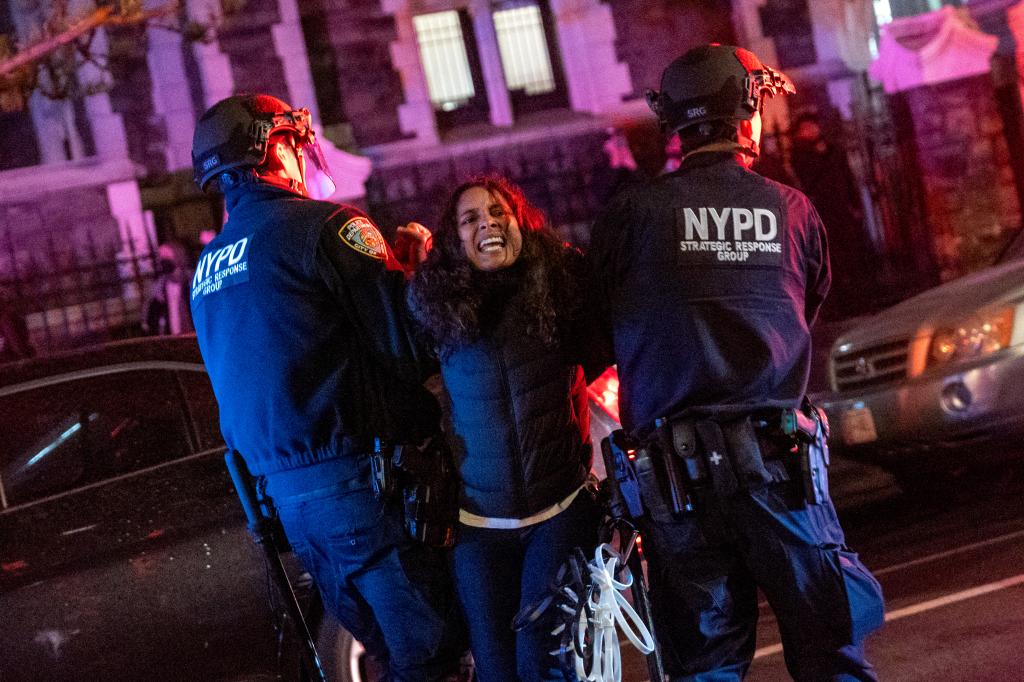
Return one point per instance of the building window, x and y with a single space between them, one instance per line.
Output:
910 8
445 62
524 49
883 11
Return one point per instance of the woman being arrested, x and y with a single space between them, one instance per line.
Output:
500 299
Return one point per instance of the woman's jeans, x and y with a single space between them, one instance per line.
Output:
497 572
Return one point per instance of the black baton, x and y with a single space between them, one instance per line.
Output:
262 530
642 603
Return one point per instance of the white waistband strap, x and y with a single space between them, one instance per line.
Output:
470 519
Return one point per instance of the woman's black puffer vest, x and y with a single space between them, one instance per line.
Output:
520 416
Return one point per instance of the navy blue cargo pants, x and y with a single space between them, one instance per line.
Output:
392 593
704 587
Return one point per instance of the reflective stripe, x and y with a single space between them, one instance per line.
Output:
470 519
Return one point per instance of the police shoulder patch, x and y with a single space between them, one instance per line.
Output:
363 236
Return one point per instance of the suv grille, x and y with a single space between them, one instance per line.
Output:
872 366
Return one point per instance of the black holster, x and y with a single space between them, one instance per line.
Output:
623 487
426 477
804 432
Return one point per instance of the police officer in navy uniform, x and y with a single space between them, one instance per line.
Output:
298 308
707 280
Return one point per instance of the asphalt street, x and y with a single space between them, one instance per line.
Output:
953 574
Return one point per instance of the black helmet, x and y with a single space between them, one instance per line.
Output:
233 135
714 83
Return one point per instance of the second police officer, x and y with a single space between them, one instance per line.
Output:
298 311
706 282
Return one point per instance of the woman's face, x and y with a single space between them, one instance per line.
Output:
488 230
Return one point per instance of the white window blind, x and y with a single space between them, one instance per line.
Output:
443 53
524 49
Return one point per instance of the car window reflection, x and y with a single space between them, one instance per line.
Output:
71 434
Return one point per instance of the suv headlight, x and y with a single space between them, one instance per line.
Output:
974 337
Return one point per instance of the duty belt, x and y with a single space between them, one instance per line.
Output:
315 481
695 461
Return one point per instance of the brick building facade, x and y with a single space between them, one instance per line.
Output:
411 95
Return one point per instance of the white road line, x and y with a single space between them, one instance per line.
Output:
777 648
936 603
938 555
73 531
951 552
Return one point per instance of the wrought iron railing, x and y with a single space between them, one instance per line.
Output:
73 294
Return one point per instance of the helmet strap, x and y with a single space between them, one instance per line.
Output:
274 171
284 182
741 144
746 144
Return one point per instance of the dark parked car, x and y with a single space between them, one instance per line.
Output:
123 548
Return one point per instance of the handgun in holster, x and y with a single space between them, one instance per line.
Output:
623 485
808 428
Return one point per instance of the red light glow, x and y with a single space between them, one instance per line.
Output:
605 392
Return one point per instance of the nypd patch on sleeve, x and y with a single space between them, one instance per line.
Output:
221 268
363 236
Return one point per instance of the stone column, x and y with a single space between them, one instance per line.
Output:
214 65
107 127
416 114
843 34
172 97
350 171
498 100
53 121
750 34
596 80
125 203
137 232
939 66
290 45
1015 19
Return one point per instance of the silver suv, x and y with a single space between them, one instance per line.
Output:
935 384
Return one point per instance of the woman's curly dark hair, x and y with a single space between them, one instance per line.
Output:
445 295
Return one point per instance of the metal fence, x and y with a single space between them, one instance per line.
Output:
880 150
77 294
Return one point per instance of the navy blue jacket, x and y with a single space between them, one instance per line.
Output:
705 283
520 417
303 332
